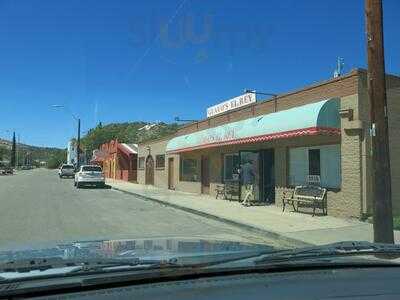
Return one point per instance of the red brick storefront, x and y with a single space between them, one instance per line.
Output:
119 160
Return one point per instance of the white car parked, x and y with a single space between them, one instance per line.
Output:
66 170
89 175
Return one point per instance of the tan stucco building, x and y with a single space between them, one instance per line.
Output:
322 129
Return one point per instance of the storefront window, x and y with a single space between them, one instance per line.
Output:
160 161
323 161
141 163
231 166
314 162
189 170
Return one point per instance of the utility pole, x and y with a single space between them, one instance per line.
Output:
382 198
78 147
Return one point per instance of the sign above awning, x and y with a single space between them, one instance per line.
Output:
311 119
234 103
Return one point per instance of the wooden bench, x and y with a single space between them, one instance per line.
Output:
309 195
232 190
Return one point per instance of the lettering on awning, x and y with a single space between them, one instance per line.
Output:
215 138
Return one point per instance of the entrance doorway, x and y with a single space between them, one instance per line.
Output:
268 176
257 176
249 176
205 175
171 182
149 178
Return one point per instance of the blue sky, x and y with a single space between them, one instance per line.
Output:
115 61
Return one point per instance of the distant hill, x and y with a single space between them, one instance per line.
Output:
35 153
5 144
129 132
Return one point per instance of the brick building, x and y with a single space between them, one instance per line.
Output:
118 160
322 129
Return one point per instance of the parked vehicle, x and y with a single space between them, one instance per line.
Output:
6 170
66 170
89 175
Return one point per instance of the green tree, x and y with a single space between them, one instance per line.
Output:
56 159
4 153
13 152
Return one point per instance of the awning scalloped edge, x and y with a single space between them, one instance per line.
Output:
311 131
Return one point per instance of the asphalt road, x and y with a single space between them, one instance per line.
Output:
36 208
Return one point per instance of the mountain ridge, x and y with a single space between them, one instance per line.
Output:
127 132
30 154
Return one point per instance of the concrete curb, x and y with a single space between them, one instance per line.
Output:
267 233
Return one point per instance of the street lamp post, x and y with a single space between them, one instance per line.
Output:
78 120
264 94
78 144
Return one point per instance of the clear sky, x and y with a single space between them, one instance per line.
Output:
115 61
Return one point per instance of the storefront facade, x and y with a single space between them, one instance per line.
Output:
279 150
157 168
321 130
118 160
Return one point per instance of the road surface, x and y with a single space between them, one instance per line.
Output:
36 208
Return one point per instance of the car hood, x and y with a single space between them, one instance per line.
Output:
161 248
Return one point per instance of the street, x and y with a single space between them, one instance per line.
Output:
38 208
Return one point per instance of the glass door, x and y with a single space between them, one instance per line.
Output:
249 176
268 176
205 175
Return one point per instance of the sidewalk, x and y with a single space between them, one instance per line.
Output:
299 228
